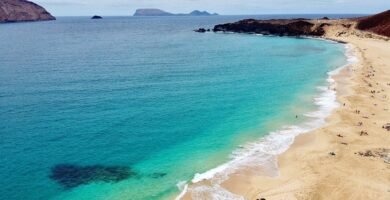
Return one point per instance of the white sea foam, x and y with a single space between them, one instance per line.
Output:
263 153
214 192
183 186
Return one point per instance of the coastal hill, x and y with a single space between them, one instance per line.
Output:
374 26
379 23
22 11
158 12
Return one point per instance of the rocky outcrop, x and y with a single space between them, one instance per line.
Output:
202 30
379 23
158 12
282 27
22 11
96 17
361 27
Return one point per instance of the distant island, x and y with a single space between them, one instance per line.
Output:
22 11
158 12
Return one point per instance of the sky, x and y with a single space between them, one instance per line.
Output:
224 7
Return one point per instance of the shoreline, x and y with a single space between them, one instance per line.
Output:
309 171
288 134
244 182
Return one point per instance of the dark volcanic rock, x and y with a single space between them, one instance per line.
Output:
21 11
325 24
293 27
386 126
200 30
70 176
379 23
96 17
346 25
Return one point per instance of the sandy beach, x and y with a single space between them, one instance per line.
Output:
349 157
195 100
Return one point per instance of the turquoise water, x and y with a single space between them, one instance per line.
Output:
143 93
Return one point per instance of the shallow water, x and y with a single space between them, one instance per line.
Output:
146 95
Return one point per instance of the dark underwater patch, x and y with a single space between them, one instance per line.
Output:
70 176
158 175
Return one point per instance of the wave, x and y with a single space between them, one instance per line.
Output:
263 153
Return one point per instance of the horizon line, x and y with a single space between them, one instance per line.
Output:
220 15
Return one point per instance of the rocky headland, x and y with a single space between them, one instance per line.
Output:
281 27
371 26
22 11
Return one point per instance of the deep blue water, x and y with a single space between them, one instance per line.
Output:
144 93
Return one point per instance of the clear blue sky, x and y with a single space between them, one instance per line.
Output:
226 7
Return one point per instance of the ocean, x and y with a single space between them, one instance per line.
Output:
136 107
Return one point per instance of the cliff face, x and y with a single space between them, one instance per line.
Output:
22 10
379 23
